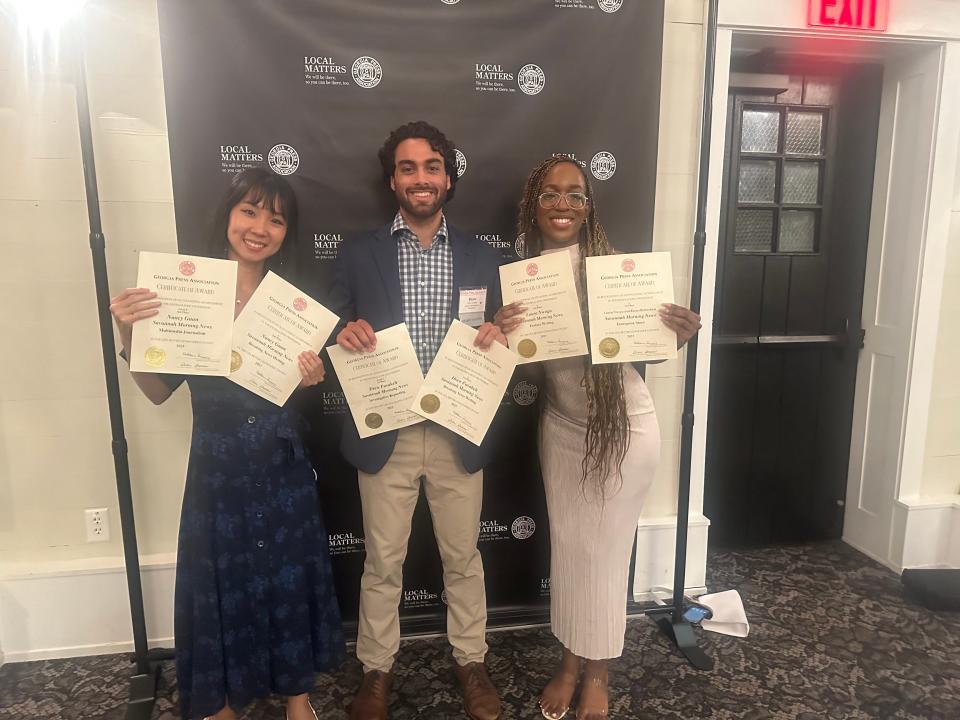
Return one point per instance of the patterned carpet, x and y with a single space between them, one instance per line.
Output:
832 636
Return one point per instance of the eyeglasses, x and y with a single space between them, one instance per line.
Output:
575 200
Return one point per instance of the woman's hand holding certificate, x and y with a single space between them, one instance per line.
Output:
464 386
625 293
381 383
191 332
552 326
276 325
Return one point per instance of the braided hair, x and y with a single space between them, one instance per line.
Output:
607 423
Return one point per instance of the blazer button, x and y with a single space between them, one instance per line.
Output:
251 419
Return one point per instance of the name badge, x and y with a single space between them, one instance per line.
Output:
473 304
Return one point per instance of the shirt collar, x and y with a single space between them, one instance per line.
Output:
400 225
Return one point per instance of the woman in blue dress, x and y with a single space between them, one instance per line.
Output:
255 610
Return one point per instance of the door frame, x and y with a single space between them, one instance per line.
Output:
899 548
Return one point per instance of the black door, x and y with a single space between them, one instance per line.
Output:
798 179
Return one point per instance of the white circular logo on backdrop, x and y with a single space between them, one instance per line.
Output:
523 527
283 159
603 165
461 163
531 79
525 393
608 6
449 2
520 245
366 72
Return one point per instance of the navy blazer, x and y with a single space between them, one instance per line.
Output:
367 285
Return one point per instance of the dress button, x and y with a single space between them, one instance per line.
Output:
260 544
259 514
422 283
258 483
251 419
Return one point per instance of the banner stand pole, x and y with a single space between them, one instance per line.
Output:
670 619
143 684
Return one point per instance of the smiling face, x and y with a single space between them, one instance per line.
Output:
255 231
420 180
560 225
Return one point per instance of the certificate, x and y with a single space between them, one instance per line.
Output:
552 327
465 384
277 324
191 333
380 385
624 293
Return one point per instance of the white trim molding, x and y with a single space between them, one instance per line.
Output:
77 609
656 545
927 533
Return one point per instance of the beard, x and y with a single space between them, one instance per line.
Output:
422 210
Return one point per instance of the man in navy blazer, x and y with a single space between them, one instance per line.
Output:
417 270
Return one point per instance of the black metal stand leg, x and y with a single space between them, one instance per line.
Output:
143 694
670 620
681 634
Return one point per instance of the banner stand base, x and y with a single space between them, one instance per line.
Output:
143 694
681 634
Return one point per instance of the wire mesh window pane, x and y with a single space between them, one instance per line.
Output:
804 134
798 231
758 181
754 231
760 131
801 182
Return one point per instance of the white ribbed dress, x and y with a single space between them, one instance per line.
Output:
590 541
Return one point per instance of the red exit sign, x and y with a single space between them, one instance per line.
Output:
849 14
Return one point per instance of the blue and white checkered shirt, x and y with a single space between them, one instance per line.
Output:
426 287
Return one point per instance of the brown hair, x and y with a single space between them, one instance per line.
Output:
607 423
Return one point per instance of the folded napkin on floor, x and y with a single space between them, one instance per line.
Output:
729 617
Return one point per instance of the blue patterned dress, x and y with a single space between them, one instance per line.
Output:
255 611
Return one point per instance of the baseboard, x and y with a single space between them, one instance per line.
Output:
77 609
61 610
930 532
656 544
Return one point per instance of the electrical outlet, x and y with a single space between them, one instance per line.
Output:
98 524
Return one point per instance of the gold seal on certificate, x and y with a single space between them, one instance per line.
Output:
609 347
192 332
553 326
155 357
526 348
277 324
624 294
463 388
430 403
380 385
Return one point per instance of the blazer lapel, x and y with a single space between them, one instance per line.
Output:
385 255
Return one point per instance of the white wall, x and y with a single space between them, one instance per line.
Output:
941 466
55 457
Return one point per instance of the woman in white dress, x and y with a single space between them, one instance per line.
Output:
599 448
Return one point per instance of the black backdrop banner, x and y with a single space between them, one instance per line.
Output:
311 88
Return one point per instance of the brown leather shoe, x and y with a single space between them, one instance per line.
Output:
370 702
480 698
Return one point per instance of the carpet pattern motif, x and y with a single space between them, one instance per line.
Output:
832 636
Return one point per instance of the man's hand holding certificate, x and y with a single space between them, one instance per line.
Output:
465 384
276 325
191 332
553 326
380 385
625 293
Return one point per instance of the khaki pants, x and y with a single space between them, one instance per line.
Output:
388 498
